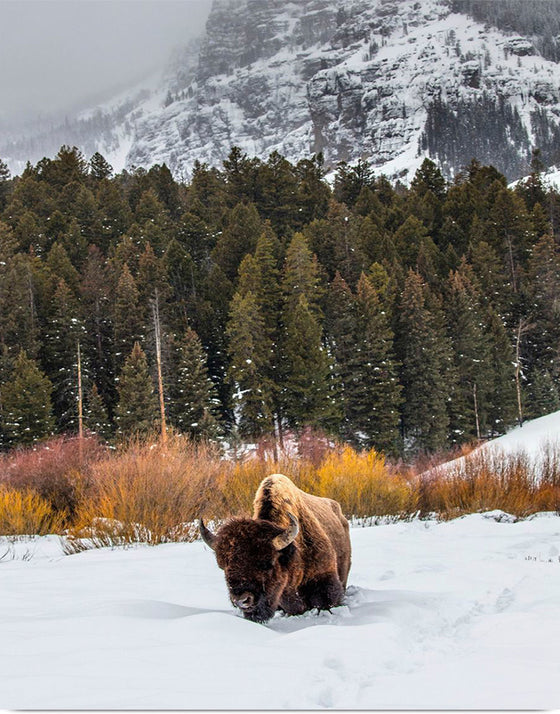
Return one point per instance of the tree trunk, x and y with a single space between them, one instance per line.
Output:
157 330
80 407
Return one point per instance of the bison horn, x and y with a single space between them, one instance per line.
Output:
207 536
288 536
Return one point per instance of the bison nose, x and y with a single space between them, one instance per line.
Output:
245 601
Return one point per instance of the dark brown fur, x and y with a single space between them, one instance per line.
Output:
309 573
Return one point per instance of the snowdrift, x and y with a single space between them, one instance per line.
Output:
456 615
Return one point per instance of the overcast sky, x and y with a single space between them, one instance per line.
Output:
55 54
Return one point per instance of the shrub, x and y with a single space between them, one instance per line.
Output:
57 470
149 493
363 484
25 512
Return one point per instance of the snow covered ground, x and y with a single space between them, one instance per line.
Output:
537 439
457 615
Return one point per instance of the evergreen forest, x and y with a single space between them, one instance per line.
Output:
259 299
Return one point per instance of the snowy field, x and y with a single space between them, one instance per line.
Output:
457 615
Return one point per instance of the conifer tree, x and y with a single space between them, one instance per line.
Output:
375 408
26 404
425 355
341 329
193 399
543 394
269 292
96 420
238 238
63 332
129 317
114 214
99 167
29 233
18 317
301 276
61 268
249 352
137 411
4 184
408 239
86 212
543 289
308 385
470 344
501 406
95 291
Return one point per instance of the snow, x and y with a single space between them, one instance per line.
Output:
532 438
456 615
538 439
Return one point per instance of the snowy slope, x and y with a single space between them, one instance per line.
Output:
457 615
538 440
532 438
351 78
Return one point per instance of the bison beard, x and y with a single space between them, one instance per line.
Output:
293 555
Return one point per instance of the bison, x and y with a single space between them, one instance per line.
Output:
292 555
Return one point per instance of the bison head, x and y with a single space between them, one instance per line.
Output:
255 556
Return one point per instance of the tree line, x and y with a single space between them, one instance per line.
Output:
406 319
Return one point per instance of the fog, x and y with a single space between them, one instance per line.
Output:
56 55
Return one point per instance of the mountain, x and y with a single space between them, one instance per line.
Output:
387 80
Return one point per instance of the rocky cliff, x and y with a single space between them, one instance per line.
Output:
388 80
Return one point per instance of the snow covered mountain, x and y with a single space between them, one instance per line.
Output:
388 80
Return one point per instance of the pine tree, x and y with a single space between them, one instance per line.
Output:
308 385
543 394
95 291
99 167
250 353
341 329
18 315
63 332
114 214
137 411
425 355
86 212
96 420
501 408
193 399
4 184
301 276
543 289
471 357
26 404
129 317
238 238
375 409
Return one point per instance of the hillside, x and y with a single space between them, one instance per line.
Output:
390 81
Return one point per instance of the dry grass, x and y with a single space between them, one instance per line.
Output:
147 492
489 479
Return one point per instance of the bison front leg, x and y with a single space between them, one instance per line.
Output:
291 603
323 592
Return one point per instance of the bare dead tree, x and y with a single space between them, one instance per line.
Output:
80 406
157 331
523 327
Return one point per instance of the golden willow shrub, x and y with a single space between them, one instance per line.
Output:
27 513
363 485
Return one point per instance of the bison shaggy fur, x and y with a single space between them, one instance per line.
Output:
293 555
